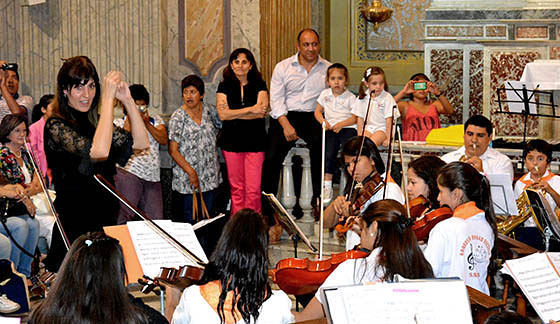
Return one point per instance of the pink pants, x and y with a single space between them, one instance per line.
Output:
244 174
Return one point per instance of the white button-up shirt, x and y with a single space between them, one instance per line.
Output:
492 161
292 88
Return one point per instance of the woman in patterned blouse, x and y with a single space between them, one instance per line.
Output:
192 145
16 168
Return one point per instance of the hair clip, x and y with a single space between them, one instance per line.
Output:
405 222
88 242
368 73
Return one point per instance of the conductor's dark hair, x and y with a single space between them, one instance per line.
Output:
480 121
75 71
427 168
90 286
400 253
240 263
540 146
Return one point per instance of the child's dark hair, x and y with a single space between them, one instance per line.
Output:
540 146
372 70
427 168
341 67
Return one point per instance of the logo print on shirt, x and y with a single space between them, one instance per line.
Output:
470 259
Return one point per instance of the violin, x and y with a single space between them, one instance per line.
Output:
179 278
362 193
425 221
304 276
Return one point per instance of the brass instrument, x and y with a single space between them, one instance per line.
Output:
464 157
506 224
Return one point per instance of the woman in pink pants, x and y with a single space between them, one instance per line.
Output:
242 102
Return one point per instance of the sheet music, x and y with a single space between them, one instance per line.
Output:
407 302
155 252
10 320
540 283
205 222
502 194
517 96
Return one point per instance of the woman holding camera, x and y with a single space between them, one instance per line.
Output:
421 113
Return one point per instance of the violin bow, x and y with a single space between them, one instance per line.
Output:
321 204
46 192
405 179
151 224
361 145
390 152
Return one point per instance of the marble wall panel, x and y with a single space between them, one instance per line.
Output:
509 65
531 32
454 31
245 22
447 71
495 31
554 53
476 67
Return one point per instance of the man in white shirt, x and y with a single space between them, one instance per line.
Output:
294 88
10 101
477 137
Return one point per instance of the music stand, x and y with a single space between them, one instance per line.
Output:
521 102
286 221
501 190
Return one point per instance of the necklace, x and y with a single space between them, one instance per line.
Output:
17 155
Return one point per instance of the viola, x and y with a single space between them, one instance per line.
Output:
304 276
423 225
362 193
417 206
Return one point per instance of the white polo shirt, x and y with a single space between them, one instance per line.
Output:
337 108
380 109
492 160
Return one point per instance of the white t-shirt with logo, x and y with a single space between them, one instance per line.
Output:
337 108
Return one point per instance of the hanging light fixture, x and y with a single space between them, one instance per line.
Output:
376 13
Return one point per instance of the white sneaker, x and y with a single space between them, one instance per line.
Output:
327 195
7 306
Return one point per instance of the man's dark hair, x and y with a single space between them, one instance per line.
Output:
310 30
139 92
480 121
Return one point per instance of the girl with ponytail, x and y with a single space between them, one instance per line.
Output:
463 245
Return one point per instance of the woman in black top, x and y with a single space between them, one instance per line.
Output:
81 141
242 102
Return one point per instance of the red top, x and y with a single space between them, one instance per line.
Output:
416 125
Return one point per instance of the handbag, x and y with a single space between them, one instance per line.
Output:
199 214
41 203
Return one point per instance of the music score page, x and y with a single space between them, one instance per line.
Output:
154 251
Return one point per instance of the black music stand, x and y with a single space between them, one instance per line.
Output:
288 224
527 99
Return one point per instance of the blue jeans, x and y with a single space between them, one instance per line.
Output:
183 205
5 247
25 230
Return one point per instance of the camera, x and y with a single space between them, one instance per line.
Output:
142 108
420 86
9 66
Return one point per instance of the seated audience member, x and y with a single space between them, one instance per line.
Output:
421 113
90 287
11 102
476 150
537 156
16 168
386 232
138 181
463 245
192 145
41 112
234 287
369 166
14 192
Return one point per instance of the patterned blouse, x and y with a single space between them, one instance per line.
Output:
197 144
9 167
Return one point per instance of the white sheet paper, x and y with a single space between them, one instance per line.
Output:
539 282
502 194
10 320
155 252
413 302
